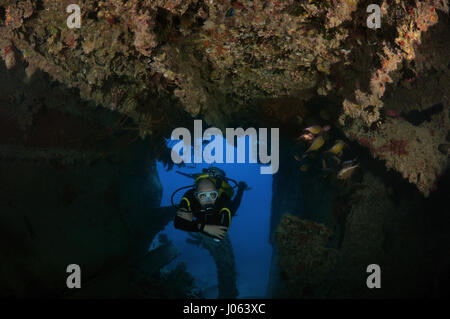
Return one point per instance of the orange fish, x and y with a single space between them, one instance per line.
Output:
305 137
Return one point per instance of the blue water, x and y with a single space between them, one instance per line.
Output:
248 233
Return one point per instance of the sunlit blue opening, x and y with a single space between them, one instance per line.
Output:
249 231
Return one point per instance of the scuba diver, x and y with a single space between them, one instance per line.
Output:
209 202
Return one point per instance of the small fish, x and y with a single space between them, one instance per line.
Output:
304 168
299 119
229 13
337 148
347 172
297 158
349 162
305 137
316 129
324 165
316 144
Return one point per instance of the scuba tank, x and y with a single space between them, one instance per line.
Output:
216 175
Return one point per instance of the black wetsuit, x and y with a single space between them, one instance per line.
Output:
220 214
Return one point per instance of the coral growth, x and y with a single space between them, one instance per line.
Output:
303 256
213 59
174 284
411 150
156 48
415 65
410 22
8 56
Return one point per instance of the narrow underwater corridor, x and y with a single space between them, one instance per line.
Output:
249 231
88 116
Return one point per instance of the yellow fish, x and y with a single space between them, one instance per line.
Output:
316 129
337 148
316 144
304 168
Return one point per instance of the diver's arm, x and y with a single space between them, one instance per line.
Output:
225 217
185 214
183 224
184 219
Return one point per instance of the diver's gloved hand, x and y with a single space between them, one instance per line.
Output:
216 230
243 185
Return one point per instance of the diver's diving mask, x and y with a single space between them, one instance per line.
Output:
202 196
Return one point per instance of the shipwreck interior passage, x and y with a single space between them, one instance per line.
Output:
86 173
249 231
